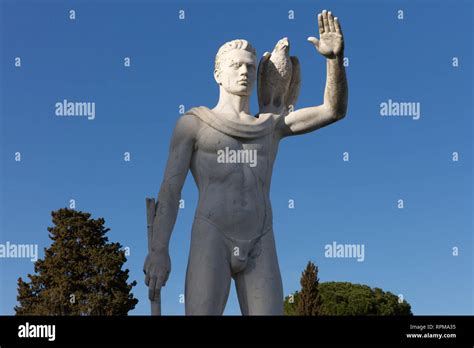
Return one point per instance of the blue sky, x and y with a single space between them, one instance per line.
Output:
407 251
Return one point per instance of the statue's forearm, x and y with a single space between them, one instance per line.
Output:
165 218
335 93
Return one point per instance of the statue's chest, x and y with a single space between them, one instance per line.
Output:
221 153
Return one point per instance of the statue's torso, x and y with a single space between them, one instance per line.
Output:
234 196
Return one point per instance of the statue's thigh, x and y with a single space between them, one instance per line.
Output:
259 286
208 274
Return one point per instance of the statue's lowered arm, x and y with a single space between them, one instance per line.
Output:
331 46
162 216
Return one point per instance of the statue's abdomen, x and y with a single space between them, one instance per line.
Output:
233 192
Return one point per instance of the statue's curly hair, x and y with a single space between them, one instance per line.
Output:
239 44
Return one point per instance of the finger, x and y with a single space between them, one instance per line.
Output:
151 289
331 22
156 294
337 25
166 278
320 24
314 41
147 279
325 21
162 278
159 281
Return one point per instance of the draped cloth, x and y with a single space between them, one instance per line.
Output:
261 126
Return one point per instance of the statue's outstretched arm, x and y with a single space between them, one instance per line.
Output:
331 46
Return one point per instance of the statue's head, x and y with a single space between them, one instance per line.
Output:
283 45
235 67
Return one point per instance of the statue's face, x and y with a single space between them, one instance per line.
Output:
237 72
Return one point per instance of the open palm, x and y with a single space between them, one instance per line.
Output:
331 42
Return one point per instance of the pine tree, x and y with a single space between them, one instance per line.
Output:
343 298
309 300
81 273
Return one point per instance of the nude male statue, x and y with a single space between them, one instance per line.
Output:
232 235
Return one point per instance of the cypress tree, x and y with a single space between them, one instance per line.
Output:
309 300
81 273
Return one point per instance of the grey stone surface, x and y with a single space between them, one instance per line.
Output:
278 79
230 154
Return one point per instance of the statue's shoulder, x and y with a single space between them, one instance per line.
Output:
188 123
278 121
276 118
200 112
200 115
268 115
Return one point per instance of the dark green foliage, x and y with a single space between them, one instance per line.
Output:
290 305
81 273
356 299
343 298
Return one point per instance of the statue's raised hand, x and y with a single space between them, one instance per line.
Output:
331 42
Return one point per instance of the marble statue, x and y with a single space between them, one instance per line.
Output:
230 154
